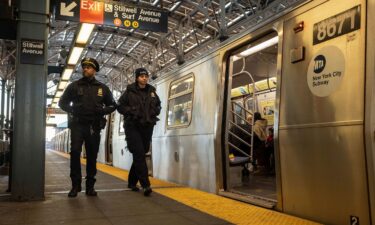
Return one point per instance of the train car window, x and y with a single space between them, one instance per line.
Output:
180 102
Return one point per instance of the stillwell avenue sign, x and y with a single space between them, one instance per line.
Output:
111 13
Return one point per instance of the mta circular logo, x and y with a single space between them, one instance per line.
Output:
320 63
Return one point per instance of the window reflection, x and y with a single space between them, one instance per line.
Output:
180 102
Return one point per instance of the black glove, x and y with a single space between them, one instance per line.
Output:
100 111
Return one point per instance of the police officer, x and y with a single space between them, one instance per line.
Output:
140 106
86 101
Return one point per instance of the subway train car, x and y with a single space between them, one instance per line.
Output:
310 75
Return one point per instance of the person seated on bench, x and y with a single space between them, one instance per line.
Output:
259 142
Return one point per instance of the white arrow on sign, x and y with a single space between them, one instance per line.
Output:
66 10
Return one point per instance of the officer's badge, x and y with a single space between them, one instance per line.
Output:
100 92
152 94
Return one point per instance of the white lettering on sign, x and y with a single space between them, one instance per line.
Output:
326 71
150 13
337 25
91 5
128 16
148 19
122 8
354 220
32 51
32 45
334 25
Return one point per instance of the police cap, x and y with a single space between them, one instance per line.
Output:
90 62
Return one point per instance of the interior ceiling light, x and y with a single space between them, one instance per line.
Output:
62 85
67 74
56 100
257 48
58 94
76 54
84 33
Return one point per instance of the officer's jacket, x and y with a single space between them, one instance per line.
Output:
139 107
87 99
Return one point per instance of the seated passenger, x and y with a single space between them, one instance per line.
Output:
259 141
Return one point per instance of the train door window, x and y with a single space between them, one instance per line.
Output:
180 102
250 162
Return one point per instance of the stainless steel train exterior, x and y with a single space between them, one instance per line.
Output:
324 123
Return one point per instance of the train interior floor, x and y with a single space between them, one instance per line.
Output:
116 204
264 186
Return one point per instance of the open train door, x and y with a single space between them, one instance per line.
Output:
250 173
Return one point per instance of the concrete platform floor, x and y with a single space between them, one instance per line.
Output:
114 205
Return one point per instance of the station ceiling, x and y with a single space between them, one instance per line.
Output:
194 27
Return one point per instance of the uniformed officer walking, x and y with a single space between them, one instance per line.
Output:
140 106
86 101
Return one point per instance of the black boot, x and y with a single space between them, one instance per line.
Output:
74 191
133 188
147 191
90 182
91 192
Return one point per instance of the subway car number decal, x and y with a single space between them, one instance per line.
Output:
337 25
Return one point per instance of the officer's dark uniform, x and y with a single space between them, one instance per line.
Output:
91 100
140 107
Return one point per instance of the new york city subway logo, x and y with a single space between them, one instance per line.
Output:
320 63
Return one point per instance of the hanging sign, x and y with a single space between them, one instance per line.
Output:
32 52
111 14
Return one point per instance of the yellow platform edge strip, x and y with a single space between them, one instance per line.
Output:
224 208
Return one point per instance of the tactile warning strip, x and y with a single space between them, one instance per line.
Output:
227 209
230 210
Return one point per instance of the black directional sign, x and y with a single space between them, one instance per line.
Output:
112 14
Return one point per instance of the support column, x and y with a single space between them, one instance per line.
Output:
223 23
29 116
9 88
11 104
2 116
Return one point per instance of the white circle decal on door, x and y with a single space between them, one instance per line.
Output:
326 71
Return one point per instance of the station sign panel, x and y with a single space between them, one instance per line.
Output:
32 52
111 14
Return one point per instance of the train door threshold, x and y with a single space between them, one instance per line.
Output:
255 200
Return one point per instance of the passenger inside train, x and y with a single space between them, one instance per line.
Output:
250 134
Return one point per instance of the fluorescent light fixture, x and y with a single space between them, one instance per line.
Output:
58 94
67 74
53 105
56 100
62 85
257 48
85 33
75 55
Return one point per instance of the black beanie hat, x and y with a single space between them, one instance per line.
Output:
140 71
